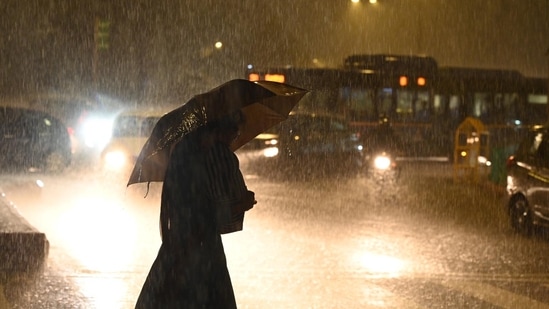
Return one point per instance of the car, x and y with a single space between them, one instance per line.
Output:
33 140
528 182
311 140
88 118
130 131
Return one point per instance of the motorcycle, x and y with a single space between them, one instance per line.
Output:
382 166
382 149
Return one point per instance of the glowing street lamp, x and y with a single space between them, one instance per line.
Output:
369 1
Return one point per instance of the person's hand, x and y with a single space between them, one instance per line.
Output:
253 197
250 198
247 202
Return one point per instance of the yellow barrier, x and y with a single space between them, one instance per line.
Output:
471 149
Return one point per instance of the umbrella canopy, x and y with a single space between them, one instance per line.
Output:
262 103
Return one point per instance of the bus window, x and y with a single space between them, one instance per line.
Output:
422 112
510 107
385 106
500 108
439 105
481 106
497 112
537 98
535 111
323 100
447 108
404 105
358 104
454 107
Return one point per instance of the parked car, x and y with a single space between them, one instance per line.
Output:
33 140
528 182
130 131
311 140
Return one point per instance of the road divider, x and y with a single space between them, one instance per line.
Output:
22 247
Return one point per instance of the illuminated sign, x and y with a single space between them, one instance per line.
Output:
254 77
279 78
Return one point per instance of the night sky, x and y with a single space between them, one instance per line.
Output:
166 46
507 34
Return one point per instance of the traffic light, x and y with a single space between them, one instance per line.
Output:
102 33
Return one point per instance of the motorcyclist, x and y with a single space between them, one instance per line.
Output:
383 138
382 149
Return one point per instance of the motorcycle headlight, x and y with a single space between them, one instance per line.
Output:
382 162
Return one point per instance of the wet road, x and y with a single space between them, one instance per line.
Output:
336 242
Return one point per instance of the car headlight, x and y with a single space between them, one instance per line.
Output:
96 131
382 162
272 142
115 159
270 152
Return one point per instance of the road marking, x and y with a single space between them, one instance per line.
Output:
493 295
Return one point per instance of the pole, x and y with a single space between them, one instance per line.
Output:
95 58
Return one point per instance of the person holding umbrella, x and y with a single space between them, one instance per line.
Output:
191 149
203 196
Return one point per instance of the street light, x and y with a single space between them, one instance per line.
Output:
208 51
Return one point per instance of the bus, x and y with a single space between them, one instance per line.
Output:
402 90
324 84
424 102
367 88
537 92
496 97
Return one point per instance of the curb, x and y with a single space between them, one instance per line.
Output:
22 247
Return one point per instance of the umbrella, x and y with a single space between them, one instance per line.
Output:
263 104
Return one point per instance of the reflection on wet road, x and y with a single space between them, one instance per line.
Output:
336 242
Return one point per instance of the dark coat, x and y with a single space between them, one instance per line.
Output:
190 270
